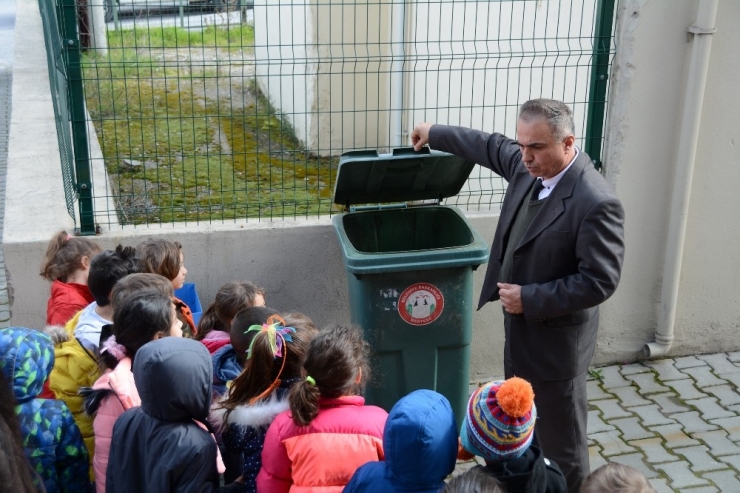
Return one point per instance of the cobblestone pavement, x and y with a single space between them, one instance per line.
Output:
676 420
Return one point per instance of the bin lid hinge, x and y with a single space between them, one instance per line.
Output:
377 207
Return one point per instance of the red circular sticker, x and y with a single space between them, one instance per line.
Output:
421 304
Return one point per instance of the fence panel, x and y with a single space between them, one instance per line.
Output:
220 110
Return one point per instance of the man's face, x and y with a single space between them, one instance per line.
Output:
542 155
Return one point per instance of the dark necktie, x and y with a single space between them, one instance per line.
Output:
538 186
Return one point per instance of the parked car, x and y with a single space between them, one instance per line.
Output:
145 6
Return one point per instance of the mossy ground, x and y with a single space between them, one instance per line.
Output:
204 141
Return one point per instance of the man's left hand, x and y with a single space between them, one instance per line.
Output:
511 297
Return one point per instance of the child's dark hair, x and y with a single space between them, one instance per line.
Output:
239 335
161 257
107 268
64 255
336 364
264 371
137 320
230 299
133 283
15 471
474 480
616 478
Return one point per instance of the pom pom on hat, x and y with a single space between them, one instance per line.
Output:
499 421
515 397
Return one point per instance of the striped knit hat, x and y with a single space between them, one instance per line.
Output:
499 422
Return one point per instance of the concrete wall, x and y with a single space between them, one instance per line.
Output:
300 265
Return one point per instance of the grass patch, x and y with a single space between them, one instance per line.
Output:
177 144
237 36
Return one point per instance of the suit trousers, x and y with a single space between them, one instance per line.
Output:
562 416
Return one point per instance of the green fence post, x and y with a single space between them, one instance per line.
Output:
599 79
76 97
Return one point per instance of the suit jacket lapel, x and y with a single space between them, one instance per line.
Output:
554 206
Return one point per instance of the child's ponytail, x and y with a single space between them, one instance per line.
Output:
304 401
209 322
336 365
64 255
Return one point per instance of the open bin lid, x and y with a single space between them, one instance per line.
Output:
366 177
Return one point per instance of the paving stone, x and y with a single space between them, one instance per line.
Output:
594 392
735 409
654 450
702 489
633 368
680 476
635 460
651 415
724 480
669 403
464 466
718 443
730 425
700 459
631 429
688 362
596 424
719 363
647 384
726 394
734 356
629 397
733 460
666 370
611 444
674 437
733 378
704 377
686 389
709 408
692 422
595 460
610 408
612 379
660 485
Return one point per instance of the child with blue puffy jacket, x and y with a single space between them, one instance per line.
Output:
51 439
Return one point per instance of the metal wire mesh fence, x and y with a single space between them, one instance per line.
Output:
223 109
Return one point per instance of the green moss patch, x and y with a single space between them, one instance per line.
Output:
178 147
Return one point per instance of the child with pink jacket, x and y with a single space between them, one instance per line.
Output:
328 432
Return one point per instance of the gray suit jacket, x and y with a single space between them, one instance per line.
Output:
568 261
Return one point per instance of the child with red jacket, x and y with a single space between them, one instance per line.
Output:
66 265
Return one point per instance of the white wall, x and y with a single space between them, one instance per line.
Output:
646 104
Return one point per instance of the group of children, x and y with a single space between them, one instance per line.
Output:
123 392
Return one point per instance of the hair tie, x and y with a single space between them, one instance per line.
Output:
277 336
111 346
310 380
67 237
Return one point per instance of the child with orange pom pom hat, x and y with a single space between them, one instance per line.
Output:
499 426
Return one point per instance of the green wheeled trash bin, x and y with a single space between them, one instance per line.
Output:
410 264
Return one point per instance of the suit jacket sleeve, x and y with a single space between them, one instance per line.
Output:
494 151
599 251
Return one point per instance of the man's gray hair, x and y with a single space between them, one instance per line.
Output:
556 113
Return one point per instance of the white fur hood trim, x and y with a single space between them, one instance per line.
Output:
260 414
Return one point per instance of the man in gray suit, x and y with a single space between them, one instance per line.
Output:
557 254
